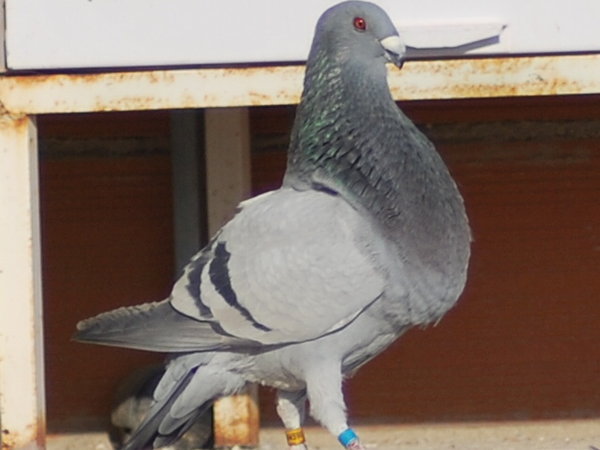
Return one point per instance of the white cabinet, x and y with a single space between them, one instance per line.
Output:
62 34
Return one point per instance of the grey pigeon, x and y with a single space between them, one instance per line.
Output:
366 238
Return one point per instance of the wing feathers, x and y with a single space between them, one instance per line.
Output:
290 266
219 276
150 327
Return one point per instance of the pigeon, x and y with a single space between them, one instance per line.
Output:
366 238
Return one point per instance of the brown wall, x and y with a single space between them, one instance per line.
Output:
106 242
522 342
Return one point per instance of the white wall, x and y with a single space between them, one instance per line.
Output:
42 34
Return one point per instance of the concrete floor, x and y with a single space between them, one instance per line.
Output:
544 435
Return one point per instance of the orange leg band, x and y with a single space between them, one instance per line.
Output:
295 436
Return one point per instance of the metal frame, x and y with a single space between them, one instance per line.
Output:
279 85
22 407
22 97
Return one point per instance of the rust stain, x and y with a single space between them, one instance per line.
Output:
40 432
33 434
5 438
15 122
236 421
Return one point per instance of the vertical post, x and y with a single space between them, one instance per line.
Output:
227 163
22 408
189 204
236 418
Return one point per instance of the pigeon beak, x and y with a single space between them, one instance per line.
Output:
394 49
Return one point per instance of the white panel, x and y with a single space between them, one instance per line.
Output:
22 407
126 33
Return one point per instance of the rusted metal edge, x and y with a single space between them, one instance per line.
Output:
147 90
499 77
254 86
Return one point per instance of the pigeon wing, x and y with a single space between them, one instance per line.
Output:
291 266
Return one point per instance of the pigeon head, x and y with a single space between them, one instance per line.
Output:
359 31
343 122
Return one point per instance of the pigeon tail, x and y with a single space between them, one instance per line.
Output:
150 327
190 385
148 434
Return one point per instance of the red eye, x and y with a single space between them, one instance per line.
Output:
360 23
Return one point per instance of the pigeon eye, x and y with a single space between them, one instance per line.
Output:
360 23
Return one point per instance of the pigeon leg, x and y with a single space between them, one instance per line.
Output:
291 408
324 386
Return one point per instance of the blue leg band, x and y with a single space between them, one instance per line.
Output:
347 437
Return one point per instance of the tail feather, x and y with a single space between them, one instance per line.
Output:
150 327
164 440
184 395
145 435
171 425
